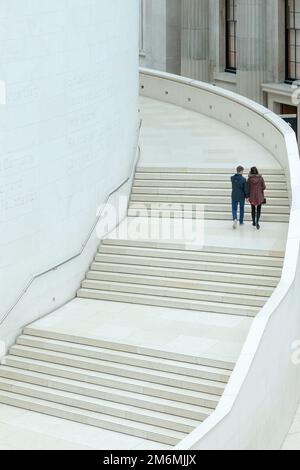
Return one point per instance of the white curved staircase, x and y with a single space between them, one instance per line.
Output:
213 280
167 191
152 394
156 398
180 323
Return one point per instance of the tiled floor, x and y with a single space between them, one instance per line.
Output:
272 236
183 331
173 136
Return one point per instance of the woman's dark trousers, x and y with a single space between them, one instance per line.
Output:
256 214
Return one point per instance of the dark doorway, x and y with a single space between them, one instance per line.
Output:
290 115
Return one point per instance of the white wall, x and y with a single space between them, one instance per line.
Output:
67 135
259 403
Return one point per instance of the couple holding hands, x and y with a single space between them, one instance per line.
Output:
251 190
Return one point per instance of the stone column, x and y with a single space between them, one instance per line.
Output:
195 39
173 34
276 40
163 35
252 47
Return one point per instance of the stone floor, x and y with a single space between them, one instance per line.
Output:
173 136
213 336
271 237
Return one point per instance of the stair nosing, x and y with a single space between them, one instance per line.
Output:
191 381
146 431
97 349
110 407
125 347
185 394
168 290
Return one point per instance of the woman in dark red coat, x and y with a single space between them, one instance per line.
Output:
256 188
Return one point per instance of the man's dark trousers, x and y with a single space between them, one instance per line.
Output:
235 206
238 196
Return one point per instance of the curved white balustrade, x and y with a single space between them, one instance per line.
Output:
261 398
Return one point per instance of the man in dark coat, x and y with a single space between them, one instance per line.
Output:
239 195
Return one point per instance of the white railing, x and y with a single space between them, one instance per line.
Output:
261 397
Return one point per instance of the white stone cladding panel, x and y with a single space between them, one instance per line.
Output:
67 130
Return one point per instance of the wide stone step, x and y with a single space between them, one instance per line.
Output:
145 431
168 302
211 375
159 405
180 203
178 274
98 365
180 246
189 294
212 187
199 177
181 283
192 255
190 196
200 214
226 171
233 268
131 347
98 405
111 381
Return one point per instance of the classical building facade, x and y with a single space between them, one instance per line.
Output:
251 47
